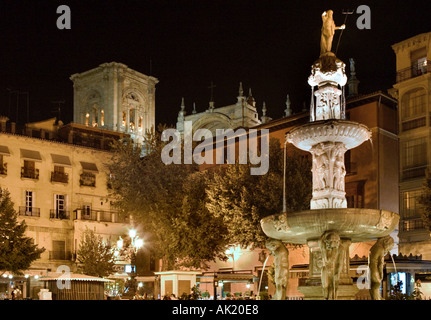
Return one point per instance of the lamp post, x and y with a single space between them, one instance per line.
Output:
135 244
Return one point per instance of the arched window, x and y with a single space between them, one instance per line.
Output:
102 118
95 117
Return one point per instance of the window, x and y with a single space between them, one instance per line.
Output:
29 208
132 119
102 118
29 200
29 170
3 166
87 119
410 204
58 250
413 103
355 194
60 207
414 158
58 175
95 116
124 119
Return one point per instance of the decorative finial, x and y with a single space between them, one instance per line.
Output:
353 82
265 118
250 99
288 110
241 91
183 106
194 108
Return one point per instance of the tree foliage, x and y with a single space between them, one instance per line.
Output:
242 199
17 251
167 201
425 202
96 257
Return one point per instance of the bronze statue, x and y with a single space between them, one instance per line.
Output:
281 266
328 30
332 263
376 261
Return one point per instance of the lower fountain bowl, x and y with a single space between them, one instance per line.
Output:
358 225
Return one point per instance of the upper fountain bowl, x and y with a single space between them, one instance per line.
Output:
350 133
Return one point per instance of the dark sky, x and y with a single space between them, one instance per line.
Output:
269 45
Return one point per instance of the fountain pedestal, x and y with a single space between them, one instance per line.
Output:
312 288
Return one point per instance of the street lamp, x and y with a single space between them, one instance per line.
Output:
136 244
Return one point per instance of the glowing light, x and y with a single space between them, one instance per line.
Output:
132 233
139 243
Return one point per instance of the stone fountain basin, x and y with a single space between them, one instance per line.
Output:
358 225
350 133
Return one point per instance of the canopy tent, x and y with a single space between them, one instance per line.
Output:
73 286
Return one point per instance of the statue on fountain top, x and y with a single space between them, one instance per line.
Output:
328 31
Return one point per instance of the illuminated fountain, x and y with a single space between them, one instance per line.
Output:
329 227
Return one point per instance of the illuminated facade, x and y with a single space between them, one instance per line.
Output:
412 89
242 114
115 97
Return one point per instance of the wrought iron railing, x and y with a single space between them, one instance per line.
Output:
413 71
3 169
59 177
87 179
59 214
29 173
29 211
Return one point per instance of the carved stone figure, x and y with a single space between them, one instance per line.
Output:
332 263
376 261
328 30
320 168
339 168
281 266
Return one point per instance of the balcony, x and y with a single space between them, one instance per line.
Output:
413 71
59 214
414 172
60 255
30 173
29 211
411 225
59 177
87 179
3 169
100 215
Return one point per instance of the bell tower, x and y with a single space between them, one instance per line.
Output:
115 97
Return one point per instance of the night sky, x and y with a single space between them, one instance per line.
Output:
268 45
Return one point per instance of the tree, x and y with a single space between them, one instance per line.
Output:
425 202
242 199
167 201
95 255
17 251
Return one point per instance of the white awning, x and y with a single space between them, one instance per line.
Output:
30 155
89 166
61 160
4 150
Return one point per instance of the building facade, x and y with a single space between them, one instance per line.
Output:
412 89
